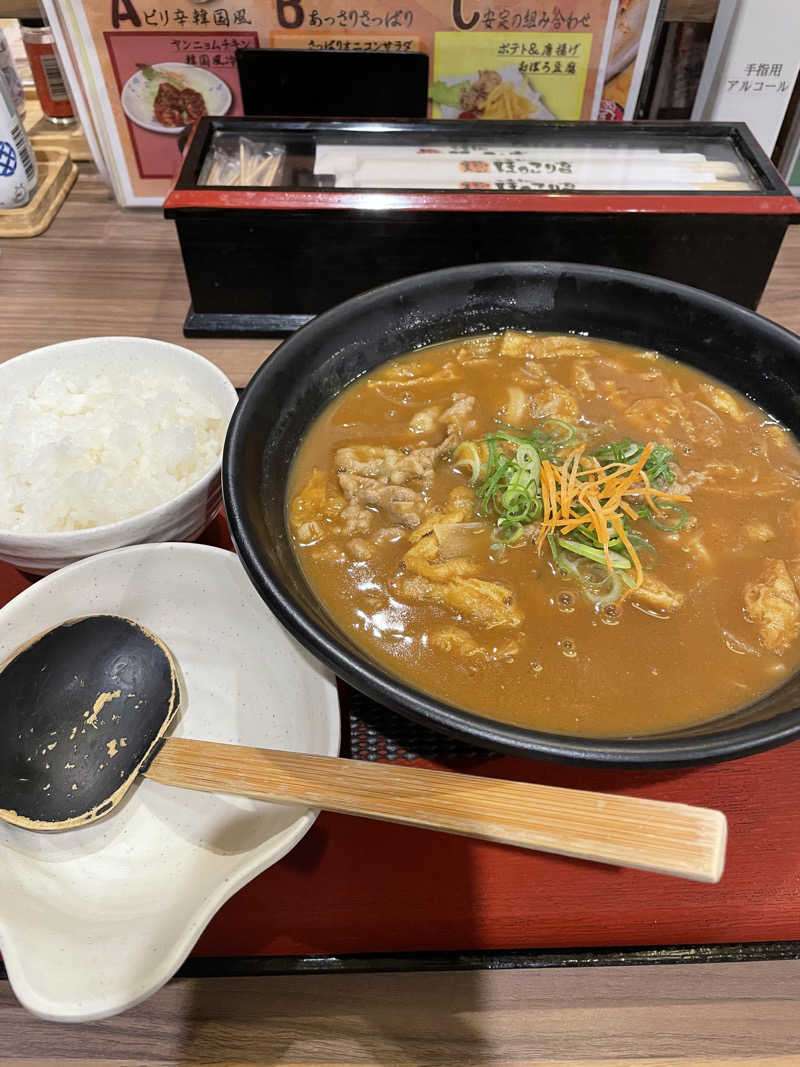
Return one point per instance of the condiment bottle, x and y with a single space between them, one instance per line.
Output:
17 165
48 77
9 71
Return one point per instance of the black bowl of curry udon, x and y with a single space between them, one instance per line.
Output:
548 508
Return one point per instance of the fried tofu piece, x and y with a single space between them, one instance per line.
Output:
776 434
696 542
582 380
487 603
653 593
515 410
793 566
459 508
554 400
533 375
314 508
423 558
409 375
773 606
759 531
722 401
310 501
614 395
793 514
455 641
683 417
655 413
518 345
463 539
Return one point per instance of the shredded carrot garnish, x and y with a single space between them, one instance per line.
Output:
581 493
548 510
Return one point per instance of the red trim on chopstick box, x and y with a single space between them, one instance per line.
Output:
456 200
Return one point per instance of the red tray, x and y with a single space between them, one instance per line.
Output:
355 886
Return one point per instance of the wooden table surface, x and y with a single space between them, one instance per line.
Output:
742 1014
101 270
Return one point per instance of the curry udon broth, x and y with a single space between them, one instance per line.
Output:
565 533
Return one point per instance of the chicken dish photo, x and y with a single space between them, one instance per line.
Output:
178 107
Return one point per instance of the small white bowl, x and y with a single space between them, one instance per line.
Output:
181 519
94 920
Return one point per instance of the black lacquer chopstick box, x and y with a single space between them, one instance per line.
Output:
279 220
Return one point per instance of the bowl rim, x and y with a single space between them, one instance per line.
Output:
29 539
373 680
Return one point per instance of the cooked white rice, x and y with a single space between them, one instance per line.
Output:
79 451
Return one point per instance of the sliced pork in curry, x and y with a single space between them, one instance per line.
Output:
556 531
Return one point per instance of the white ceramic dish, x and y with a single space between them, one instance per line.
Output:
138 94
180 519
94 920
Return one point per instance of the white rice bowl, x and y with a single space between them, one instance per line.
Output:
106 442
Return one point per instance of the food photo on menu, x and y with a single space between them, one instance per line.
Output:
513 76
176 103
168 82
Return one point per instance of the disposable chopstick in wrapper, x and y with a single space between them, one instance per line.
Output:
349 156
415 167
589 172
552 187
386 175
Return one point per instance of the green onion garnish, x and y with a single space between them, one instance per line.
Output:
681 517
618 561
657 468
509 490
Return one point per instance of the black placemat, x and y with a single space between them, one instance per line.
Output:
372 732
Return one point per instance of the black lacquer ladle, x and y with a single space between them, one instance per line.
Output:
85 707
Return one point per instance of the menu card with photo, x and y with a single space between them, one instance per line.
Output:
146 70
635 27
